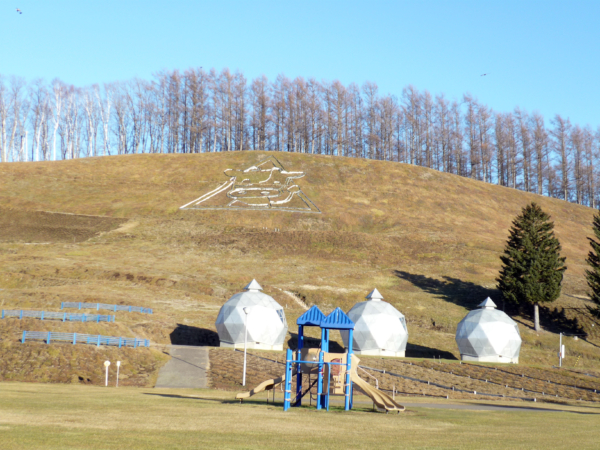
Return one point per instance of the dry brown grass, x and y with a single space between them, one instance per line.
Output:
37 416
428 241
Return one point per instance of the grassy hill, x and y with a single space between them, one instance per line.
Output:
110 230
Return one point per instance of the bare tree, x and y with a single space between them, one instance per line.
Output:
105 104
239 112
17 107
57 92
484 126
371 107
92 119
40 100
198 83
562 146
3 121
540 146
524 139
259 99
470 120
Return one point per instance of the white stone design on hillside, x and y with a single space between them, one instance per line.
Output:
266 185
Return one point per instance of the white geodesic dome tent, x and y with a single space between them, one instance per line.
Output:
488 335
263 316
379 328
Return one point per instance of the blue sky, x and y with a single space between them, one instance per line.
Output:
539 55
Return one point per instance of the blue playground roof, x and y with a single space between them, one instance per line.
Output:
313 317
337 320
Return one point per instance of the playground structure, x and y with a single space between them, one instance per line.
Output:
332 373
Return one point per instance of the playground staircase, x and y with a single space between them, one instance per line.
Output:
186 369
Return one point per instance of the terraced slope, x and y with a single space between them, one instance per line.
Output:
425 378
428 241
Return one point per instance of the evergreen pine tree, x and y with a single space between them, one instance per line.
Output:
532 268
593 274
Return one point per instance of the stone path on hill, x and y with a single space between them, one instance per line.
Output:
186 369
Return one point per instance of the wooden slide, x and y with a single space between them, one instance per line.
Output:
381 399
264 386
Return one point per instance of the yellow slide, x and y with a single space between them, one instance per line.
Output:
264 386
381 399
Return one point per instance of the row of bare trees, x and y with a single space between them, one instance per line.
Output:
209 111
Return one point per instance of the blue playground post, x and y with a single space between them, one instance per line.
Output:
288 380
62 305
328 385
64 316
119 342
48 340
74 338
3 314
24 337
79 305
324 339
348 390
320 383
298 373
21 314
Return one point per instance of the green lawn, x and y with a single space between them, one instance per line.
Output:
59 416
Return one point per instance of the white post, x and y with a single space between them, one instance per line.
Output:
118 366
246 311
106 364
560 355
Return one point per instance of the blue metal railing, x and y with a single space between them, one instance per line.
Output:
99 306
49 315
80 338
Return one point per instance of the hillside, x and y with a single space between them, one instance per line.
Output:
110 230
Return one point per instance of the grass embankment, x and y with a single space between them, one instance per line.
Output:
429 241
36 416
527 383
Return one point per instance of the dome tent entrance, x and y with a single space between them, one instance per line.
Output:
488 335
266 322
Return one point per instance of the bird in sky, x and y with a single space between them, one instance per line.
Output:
483 74
19 11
